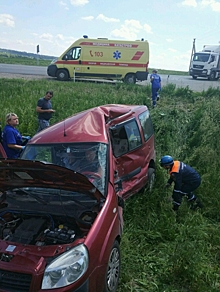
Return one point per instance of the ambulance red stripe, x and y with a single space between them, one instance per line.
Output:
113 64
100 44
137 56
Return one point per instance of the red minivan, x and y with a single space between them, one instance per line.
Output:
61 202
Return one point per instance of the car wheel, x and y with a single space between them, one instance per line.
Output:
212 76
62 75
194 77
151 179
113 269
130 79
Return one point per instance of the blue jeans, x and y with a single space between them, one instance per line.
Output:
42 125
154 95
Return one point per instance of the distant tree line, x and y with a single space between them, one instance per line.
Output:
25 54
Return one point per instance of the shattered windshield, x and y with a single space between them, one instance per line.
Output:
88 159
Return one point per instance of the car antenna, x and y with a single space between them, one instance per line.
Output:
64 129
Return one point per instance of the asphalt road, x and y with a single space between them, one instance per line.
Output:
180 81
23 69
199 84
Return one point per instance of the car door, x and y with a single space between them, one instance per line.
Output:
127 144
134 153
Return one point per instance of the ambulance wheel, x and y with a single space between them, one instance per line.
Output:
62 75
130 78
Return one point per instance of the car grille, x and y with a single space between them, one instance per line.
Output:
14 282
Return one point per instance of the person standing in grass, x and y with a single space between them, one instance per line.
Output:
185 180
44 110
11 138
155 86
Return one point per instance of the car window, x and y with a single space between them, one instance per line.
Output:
125 137
41 153
146 125
72 54
212 59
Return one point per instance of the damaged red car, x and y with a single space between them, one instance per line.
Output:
61 203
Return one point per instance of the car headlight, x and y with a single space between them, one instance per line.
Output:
66 269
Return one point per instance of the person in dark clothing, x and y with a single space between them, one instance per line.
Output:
155 86
185 179
12 140
44 110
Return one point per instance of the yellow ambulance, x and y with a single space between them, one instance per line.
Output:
103 59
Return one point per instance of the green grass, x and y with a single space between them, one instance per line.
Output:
161 251
169 72
14 59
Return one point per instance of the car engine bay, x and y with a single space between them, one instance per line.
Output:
42 230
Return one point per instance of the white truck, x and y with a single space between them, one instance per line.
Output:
206 63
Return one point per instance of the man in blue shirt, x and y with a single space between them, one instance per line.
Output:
44 110
155 86
11 138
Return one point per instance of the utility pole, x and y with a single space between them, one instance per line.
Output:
38 50
193 50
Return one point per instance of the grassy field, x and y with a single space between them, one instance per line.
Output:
13 59
161 251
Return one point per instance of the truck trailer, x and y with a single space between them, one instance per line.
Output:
206 63
103 59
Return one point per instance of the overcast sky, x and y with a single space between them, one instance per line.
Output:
169 25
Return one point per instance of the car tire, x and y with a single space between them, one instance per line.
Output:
212 76
151 179
194 77
62 75
113 269
130 79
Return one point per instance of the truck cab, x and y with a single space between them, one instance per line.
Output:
206 63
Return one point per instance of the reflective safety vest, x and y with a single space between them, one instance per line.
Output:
175 167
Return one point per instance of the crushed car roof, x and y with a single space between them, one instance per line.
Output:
87 126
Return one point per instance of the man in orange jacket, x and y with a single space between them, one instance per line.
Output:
185 179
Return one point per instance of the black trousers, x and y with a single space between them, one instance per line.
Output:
186 190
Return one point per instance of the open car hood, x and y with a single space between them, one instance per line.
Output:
18 173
